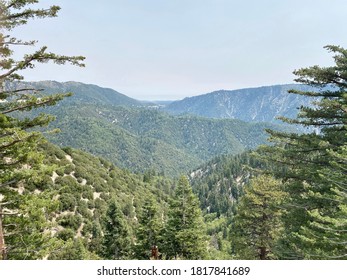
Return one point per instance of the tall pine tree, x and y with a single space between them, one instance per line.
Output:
20 159
257 225
117 241
185 235
148 232
315 165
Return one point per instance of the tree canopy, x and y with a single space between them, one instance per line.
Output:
314 164
19 156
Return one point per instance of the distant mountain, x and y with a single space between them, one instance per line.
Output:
262 104
83 93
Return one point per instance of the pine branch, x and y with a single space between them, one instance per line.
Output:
42 57
7 184
29 105
21 90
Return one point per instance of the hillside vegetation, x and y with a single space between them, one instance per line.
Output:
140 138
84 194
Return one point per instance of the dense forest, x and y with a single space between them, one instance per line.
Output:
147 138
230 193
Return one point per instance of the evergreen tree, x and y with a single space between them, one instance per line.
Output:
325 236
117 241
185 235
19 156
257 225
28 227
95 245
73 249
149 229
316 200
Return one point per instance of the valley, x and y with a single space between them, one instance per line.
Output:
89 173
117 160
140 137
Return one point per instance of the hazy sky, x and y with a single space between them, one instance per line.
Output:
170 49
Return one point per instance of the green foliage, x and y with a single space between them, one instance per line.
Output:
219 182
27 229
148 233
218 230
20 159
73 249
185 235
314 163
96 242
143 140
67 202
66 234
70 220
117 242
83 203
257 225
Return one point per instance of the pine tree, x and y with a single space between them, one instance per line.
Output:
73 249
95 245
325 234
19 157
117 241
149 229
18 145
315 202
185 235
257 225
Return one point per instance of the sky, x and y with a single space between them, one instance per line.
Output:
171 49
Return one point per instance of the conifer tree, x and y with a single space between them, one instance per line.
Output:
19 156
27 228
117 241
17 144
315 202
95 245
185 235
325 235
149 229
257 225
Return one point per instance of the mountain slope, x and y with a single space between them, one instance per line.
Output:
261 104
141 139
82 93
108 124
219 182
81 188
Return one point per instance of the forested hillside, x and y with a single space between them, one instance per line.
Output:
82 93
83 195
219 182
140 139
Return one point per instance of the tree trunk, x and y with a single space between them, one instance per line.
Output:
263 253
2 239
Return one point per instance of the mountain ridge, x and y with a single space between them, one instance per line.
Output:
82 92
256 104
